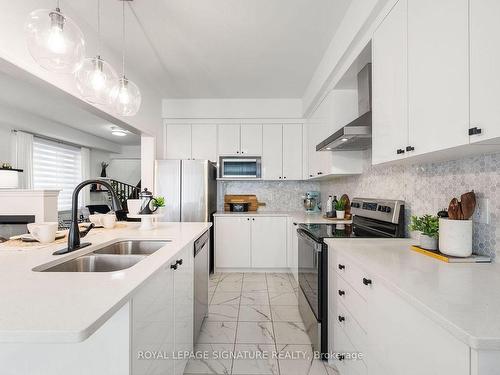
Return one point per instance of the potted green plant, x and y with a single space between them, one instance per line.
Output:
340 208
428 226
159 202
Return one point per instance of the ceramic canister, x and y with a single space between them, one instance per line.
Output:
455 237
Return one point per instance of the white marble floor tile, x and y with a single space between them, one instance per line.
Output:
255 359
331 370
208 360
254 276
254 313
229 286
298 360
254 298
286 313
231 276
217 333
291 333
254 286
222 313
283 299
255 333
280 286
226 298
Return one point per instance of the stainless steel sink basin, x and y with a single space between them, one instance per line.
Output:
132 247
97 263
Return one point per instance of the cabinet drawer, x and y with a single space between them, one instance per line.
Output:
353 301
344 346
351 328
360 280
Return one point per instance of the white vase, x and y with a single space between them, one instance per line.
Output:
428 242
340 214
455 237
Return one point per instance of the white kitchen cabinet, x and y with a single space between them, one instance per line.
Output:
390 87
250 242
292 244
272 152
484 78
438 75
229 139
204 142
251 139
232 242
269 242
292 152
178 141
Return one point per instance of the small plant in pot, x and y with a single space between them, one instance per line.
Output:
159 202
428 226
340 208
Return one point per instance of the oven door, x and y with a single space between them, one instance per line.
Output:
310 271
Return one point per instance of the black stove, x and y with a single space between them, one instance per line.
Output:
372 218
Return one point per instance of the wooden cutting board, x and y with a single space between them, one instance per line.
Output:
253 203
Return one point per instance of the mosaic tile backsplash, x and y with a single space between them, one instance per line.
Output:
427 188
278 195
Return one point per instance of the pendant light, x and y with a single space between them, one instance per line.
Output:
125 96
54 41
96 77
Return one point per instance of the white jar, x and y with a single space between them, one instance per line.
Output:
455 237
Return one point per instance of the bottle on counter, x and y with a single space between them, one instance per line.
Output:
330 211
334 203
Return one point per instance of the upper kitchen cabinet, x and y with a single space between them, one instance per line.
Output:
197 141
236 139
484 80
292 151
204 142
178 141
438 75
390 87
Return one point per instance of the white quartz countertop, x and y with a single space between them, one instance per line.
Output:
55 307
464 298
299 217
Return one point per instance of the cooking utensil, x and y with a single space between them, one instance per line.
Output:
468 202
453 209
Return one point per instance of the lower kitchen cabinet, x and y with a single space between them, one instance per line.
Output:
250 242
292 245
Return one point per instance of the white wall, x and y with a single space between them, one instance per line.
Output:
5 145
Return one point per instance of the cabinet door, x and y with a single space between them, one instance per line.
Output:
251 139
292 151
318 161
229 139
269 242
390 86
178 141
153 323
292 245
232 242
272 153
438 75
484 62
183 305
204 142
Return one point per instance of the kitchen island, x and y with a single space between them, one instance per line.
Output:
50 319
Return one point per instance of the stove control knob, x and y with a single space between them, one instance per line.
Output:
387 209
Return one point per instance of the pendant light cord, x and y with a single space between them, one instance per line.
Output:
123 38
99 27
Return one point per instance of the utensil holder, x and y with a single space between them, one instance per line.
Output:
455 237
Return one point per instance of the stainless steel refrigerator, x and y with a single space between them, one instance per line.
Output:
190 191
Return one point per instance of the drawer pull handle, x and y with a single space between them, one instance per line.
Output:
341 357
173 266
179 262
341 319
341 292
367 281
341 267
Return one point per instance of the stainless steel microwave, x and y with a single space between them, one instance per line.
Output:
240 167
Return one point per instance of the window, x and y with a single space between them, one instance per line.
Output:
56 166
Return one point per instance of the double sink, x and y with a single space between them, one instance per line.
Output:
113 257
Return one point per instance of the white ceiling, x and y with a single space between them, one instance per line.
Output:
221 48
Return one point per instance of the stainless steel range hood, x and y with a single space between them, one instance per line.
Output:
356 135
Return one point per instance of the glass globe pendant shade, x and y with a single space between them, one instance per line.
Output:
125 97
54 41
95 79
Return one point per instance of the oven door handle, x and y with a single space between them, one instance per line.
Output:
317 246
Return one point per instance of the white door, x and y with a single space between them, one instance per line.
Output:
438 75
178 141
390 87
484 63
232 242
292 151
228 139
269 242
251 139
183 305
272 152
204 142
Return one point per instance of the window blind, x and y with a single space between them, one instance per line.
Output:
56 166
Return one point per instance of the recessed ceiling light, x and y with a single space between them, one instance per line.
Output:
118 132
344 139
328 148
